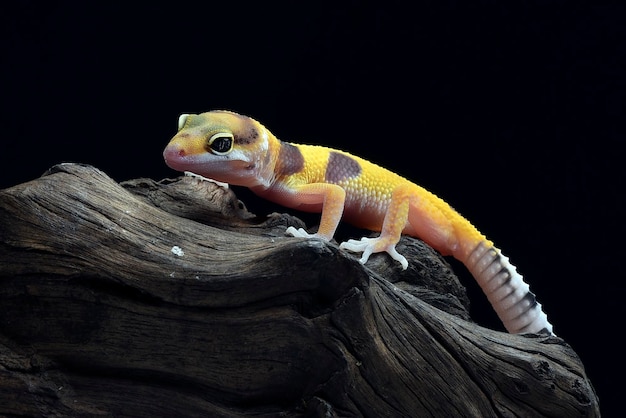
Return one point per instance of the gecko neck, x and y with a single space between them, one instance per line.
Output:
264 166
281 160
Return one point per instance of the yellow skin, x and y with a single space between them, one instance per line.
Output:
236 149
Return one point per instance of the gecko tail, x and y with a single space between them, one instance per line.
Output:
507 292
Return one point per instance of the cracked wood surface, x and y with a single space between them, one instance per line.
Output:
169 298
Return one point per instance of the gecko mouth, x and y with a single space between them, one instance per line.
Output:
178 159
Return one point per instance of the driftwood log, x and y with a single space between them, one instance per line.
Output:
169 299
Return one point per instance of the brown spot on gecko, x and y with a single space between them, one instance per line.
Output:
341 167
247 134
290 160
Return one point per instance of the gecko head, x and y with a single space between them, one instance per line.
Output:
220 145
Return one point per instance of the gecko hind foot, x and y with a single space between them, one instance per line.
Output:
369 246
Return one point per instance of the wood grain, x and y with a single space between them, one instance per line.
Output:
170 299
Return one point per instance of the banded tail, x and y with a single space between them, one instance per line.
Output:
506 290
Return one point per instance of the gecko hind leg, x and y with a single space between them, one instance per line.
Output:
393 224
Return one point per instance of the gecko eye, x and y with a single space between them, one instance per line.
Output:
181 120
221 143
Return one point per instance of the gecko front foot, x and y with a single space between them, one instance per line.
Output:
368 246
301 233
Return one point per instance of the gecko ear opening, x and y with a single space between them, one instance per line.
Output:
181 120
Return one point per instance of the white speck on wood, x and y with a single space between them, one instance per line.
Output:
176 250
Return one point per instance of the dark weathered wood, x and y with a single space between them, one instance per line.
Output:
170 299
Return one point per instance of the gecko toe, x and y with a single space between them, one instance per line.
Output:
298 233
398 257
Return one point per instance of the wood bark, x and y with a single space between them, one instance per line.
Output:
169 299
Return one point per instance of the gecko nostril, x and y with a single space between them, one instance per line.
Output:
174 153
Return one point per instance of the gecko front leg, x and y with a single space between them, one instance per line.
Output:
332 197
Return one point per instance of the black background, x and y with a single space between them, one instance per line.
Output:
512 113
